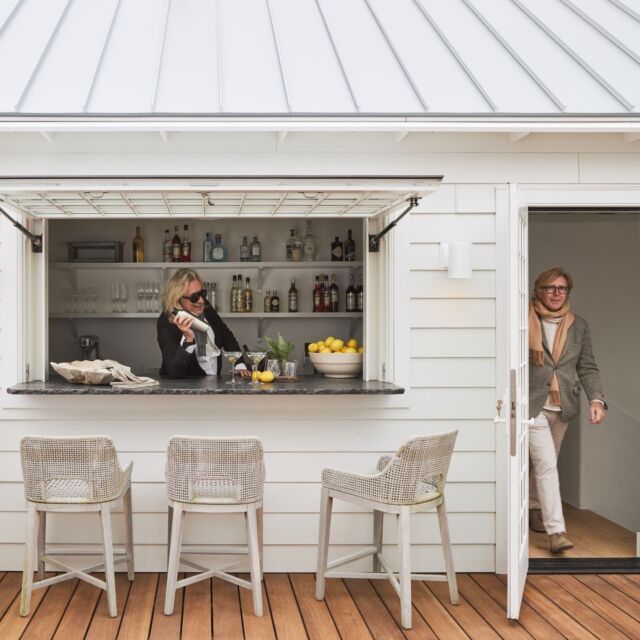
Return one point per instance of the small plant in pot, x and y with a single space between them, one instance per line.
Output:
279 349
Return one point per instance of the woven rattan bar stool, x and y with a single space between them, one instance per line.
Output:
215 475
410 481
73 474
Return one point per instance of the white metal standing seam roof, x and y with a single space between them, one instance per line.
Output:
319 57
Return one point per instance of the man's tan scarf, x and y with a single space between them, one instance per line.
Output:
538 311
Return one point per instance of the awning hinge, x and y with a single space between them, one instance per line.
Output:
36 240
374 240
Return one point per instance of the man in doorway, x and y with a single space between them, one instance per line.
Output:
561 363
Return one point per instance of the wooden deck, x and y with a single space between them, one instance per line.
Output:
585 606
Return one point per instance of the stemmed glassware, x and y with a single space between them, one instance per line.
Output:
232 357
115 296
148 294
140 295
124 296
256 359
119 297
156 296
93 297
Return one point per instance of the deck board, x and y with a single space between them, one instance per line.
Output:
555 606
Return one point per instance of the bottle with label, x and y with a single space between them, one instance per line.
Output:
296 248
337 253
186 245
275 302
207 245
351 296
317 295
166 247
213 295
218 250
326 295
138 247
176 246
232 296
245 250
349 248
360 295
293 297
239 295
247 297
334 294
309 245
267 302
256 250
289 245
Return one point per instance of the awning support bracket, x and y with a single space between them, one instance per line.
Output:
374 239
36 240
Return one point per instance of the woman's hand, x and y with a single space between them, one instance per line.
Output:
244 373
184 324
596 412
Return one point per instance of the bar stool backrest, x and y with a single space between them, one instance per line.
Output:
75 469
215 470
419 468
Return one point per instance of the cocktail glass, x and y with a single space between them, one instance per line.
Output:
256 359
232 357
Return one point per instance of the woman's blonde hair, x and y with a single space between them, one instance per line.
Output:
177 287
549 276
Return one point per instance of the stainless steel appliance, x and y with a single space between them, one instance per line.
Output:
89 347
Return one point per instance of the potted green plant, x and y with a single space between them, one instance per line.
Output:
279 350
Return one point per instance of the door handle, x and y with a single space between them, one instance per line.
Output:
499 419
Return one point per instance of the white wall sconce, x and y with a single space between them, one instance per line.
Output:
455 257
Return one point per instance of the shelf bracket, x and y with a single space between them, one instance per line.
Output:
374 239
36 240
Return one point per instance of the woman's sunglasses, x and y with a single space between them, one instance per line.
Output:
194 297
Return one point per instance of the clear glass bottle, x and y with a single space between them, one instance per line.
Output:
138 247
309 245
256 250
239 297
245 250
349 248
186 245
296 248
247 297
293 297
207 245
232 296
267 302
176 246
337 253
289 244
218 250
166 247
213 295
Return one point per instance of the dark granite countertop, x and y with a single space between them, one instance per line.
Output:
213 385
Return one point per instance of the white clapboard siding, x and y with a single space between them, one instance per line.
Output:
475 198
447 372
453 343
452 404
610 167
436 284
443 313
426 255
453 227
442 201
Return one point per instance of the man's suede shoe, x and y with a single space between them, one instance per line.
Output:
535 521
559 542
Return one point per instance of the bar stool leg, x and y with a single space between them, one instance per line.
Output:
42 538
29 553
128 526
378 520
254 559
326 502
174 558
404 548
260 518
169 526
109 572
448 554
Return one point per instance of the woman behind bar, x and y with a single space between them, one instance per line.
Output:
185 351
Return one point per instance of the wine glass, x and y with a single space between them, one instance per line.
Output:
232 357
115 296
93 296
84 294
124 296
256 359
148 294
140 294
156 296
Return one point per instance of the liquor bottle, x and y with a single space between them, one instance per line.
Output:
186 245
232 296
351 296
245 250
349 248
166 247
176 246
326 295
275 302
360 295
138 247
317 294
239 297
309 245
213 296
247 297
334 294
296 248
256 250
267 302
293 297
218 250
207 245
289 245
336 250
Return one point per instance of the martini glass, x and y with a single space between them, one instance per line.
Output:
256 359
232 357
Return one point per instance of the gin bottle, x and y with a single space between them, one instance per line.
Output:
256 250
218 250
245 250
309 245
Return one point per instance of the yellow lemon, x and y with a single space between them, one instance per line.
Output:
325 350
360 349
329 340
350 350
343 350
320 344
353 343
267 376
313 348
336 345
255 376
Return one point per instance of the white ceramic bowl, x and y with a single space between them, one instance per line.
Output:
338 365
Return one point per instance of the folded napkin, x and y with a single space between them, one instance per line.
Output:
102 372
125 379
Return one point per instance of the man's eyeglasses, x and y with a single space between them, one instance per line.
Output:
194 297
553 289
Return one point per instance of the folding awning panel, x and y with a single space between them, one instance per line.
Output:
249 197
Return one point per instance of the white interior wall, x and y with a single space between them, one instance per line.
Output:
452 337
598 464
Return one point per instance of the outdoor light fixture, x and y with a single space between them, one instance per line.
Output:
455 257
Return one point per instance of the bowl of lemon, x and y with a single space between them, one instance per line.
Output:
337 358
